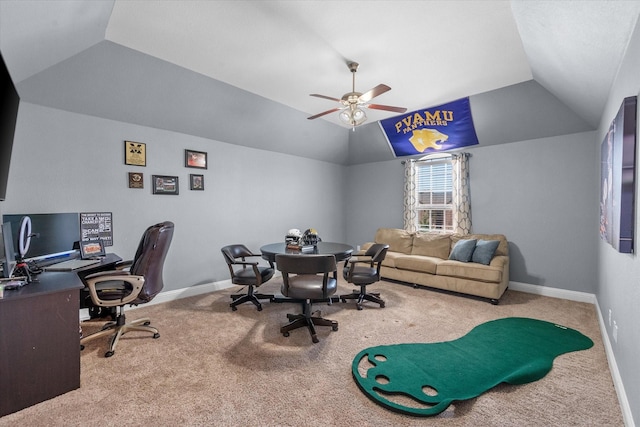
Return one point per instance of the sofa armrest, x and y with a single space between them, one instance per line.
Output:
500 261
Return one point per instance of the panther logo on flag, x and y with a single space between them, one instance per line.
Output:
427 138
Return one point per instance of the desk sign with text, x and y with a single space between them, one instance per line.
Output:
446 127
96 226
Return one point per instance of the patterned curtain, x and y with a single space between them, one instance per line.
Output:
461 194
410 196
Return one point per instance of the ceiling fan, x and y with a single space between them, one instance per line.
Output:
351 111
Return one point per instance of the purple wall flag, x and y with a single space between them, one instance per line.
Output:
429 130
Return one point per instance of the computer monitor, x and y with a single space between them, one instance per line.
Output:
8 255
53 234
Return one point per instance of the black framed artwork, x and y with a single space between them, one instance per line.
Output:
195 159
196 182
165 184
136 180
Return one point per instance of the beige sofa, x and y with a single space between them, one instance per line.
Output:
423 259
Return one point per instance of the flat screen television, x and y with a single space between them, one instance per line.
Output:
9 102
53 234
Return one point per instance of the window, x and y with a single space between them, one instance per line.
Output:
434 184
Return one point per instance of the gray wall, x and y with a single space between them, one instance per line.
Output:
542 194
619 278
67 162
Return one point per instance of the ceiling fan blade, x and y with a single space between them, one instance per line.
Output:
386 107
378 90
325 97
323 113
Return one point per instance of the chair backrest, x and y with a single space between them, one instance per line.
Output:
377 252
305 265
232 252
149 259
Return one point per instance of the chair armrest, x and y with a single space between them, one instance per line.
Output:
108 276
124 264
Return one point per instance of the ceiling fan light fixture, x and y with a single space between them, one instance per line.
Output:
353 116
359 116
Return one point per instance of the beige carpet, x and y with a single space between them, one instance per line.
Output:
215 367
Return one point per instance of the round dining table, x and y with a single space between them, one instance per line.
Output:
341 251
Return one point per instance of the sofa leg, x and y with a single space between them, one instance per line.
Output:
494 301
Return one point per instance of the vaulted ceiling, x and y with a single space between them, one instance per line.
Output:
194 66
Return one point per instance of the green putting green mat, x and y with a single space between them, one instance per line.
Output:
430 377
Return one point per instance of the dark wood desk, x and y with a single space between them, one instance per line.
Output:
39 338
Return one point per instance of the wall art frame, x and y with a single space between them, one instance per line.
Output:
195 159
196 182
617 179
165 184
135 153
136 180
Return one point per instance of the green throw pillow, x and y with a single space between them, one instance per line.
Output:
483 253
463 250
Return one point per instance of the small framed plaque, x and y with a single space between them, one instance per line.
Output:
135 180
196 182
165 184
135 153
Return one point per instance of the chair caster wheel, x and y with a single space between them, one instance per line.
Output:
285 334
334 328
381 305
315 339
359 307
81 347
108 354
260 308
234 308
156 335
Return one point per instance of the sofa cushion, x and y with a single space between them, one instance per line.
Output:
423 264
471 271
390 259
397 239
483 253
431 244
463 250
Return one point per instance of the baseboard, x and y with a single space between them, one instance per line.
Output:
553 292
627 416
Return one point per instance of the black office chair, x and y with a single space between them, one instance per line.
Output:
251 275
363 270
139 285
307 278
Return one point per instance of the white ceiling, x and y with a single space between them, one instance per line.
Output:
429 52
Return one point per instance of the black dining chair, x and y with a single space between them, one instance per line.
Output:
246 272
364 270
307 278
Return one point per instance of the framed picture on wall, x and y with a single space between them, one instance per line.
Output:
195 159
165 184
136 180
135 153
196 182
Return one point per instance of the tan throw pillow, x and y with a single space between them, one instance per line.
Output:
431 244
397 239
